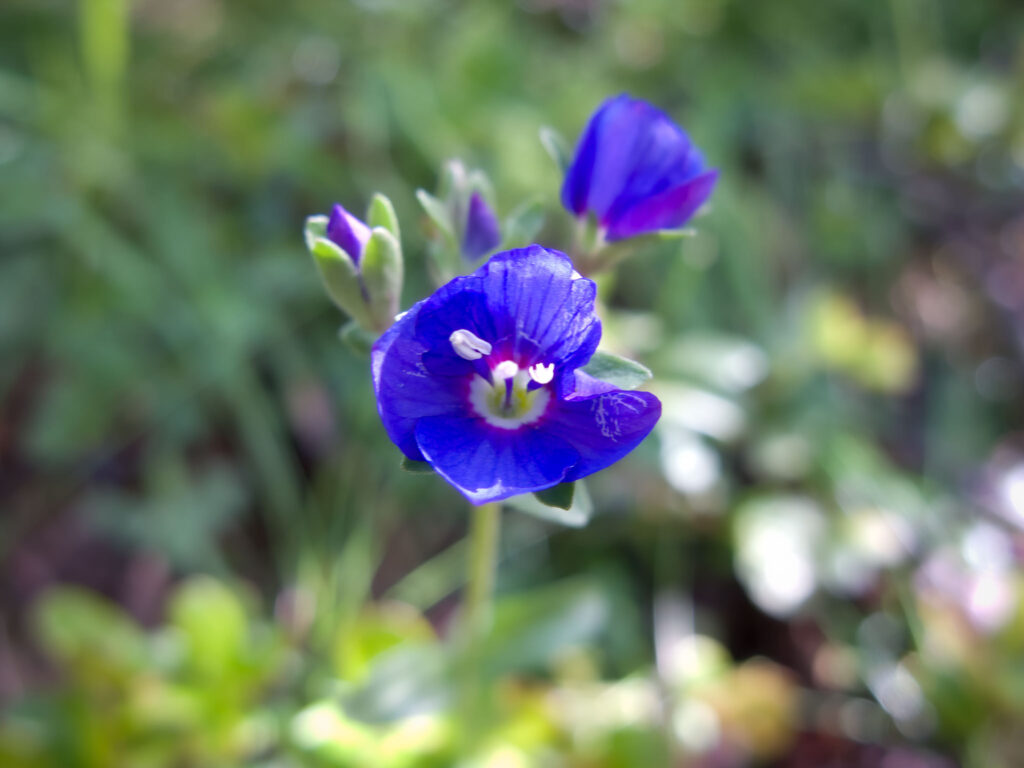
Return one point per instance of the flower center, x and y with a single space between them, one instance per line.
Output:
503 394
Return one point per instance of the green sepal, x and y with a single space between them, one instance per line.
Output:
416 467
338 272
523 224
438 213
557 147
557 495
577 515
357 338
382 271
619 371
316 227
381 213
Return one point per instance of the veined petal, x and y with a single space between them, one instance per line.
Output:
529 303
602 428
406 389
487 464
537 299
667 210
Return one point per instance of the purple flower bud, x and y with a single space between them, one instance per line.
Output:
483 381
482 233
636 171
348 233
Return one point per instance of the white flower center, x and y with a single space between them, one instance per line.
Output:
508 403
504 395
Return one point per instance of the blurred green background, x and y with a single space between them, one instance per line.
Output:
208 553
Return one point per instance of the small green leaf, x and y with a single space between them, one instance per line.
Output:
557 495
382 271
438 213
576 516
382 214
416 467
623 373
523 224
557 147
358 339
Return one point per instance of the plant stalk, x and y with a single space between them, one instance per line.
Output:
477 615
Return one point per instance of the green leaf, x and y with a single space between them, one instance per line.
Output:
416 467
534 627
557 147
382 214
623 373
557 496
676 234
523 224
438 213
406 680
84 631
576 516
382 270
214 624
357 338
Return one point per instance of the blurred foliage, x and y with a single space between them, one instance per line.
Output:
818 558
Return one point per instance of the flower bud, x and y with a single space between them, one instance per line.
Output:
338 271
361 266
467 228
636 172
481 233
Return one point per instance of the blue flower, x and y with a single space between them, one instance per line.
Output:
482 233
636 171
348 233
483 381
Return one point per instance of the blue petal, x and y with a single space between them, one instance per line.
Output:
667 210
483 233
602 428
348 233
488 464
406 390
578 176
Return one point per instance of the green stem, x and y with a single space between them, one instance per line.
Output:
477 614
483 556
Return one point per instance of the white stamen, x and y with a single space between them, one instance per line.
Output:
468 346
505 370
542 374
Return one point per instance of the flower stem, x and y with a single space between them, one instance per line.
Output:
477 613
484 530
